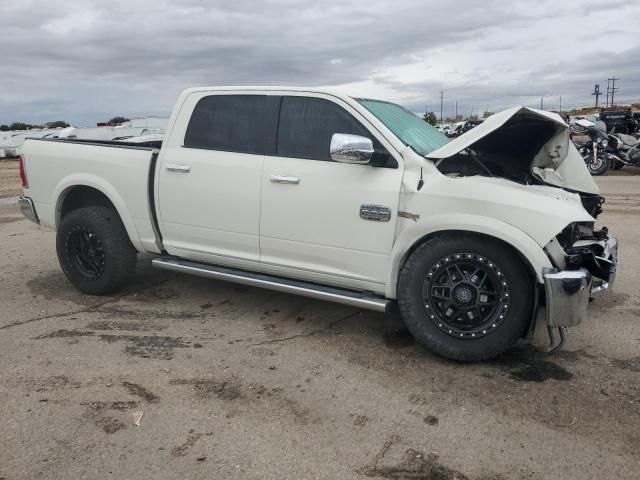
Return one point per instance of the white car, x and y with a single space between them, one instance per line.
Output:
351 200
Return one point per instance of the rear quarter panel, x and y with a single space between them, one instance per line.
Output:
120 173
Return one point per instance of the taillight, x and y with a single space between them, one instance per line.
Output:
23 172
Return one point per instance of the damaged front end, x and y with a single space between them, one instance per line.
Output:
586 261
532 148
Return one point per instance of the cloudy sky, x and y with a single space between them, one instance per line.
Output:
85 61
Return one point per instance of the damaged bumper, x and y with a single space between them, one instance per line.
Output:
568 291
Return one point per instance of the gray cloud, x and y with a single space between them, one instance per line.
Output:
88 60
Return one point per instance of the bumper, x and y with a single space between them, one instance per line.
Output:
28 209
568 291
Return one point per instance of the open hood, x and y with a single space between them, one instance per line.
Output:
516 144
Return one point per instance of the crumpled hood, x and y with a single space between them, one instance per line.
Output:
526 135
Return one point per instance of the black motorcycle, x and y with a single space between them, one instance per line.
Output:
593 151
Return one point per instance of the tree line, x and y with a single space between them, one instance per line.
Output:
57 124
29 126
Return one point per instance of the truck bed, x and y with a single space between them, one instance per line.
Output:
119 170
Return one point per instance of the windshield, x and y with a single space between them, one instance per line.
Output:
409 128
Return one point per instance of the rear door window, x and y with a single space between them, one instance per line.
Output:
234 123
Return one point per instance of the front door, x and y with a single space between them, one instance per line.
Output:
311 218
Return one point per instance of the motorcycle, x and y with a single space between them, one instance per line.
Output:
624 150
594 151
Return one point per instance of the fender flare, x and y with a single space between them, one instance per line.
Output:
87 180
416 232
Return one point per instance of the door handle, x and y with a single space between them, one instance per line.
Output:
284 179
178 168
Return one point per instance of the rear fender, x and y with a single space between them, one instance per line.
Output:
87 180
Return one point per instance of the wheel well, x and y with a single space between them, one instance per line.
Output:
82 196
445 233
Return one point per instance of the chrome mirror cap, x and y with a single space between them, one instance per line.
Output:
346 148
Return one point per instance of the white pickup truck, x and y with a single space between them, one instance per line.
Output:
346 199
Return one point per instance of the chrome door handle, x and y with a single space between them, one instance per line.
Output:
284 179
178 168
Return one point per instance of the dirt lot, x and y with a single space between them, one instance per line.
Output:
235 382
9 179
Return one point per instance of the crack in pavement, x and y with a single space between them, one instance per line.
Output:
310 334
91 308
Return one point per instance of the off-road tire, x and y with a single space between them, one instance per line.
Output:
516 307
94 250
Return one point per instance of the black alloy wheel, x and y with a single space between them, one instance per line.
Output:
466 295
86 252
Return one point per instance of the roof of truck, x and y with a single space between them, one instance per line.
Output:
278 88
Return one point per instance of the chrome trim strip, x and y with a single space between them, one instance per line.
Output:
28 209
344 297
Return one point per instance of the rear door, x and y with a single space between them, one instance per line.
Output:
310 222
210 176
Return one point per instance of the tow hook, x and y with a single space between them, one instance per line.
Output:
553 347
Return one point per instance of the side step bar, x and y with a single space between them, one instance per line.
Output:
279 284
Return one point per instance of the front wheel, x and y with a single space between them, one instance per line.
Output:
597 165
94 250
465 297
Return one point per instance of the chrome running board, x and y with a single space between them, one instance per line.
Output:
279 284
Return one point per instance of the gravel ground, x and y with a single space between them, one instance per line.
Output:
9 179
236 382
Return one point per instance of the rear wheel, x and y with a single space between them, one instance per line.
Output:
94 250
465 297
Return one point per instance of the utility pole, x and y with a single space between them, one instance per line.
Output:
456 110
560 104
612 88
597 93
541 103
441 99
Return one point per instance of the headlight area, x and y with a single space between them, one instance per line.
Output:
581 246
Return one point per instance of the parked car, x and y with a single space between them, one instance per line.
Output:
351 200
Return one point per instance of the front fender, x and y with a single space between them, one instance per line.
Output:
413 232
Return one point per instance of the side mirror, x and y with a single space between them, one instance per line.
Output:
347 148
